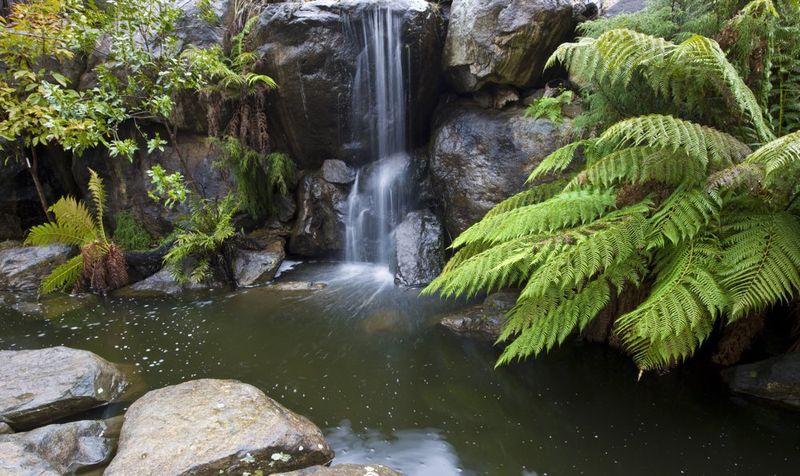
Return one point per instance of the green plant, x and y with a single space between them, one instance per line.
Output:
259 177
100 266
665 200
550 107
129 233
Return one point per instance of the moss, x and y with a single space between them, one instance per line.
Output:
129 232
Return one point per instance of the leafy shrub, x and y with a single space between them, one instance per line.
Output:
129 233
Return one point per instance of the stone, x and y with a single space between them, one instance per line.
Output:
5 429
504 96
319 229
345 470
419 242
482 320
208 427
776 379
336 171
56 449
162 283
295 286
305 48
44 385
503 41
22 268
480 157
613 8
251 267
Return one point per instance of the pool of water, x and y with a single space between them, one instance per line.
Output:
367 363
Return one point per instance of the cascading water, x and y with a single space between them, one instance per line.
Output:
378 197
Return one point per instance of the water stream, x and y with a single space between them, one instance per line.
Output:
379 123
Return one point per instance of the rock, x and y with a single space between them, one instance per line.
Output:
484 320
613 8
10 227
503 96
56 449
319 228
503 41
41 386
776 379
345 470
306 48
162 283
293 286
22 268
208 427
480 157
252 267
5 429
336 171
420 248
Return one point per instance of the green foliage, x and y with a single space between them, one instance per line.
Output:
259 177
129 233
666 199
550 107
74 225
200 239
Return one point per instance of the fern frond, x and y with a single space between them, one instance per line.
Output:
679 312
73 225
760 260
63 276
682 216
704 144
537 193
780 157
99 199
559 160
567 209
639 165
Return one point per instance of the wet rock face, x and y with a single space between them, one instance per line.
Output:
319 229
480 157
346 470
41 386
56 449
163 283
22 268
503 41
209 427
776 379
304 46
420 248
130 183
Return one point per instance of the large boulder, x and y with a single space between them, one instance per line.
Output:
319 229
484 320
56 449
42 386
251 267
503 41
419 239
209 427
345 470
776 379
308 48
22 268
163 283
480 157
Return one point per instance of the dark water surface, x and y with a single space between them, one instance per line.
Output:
365 361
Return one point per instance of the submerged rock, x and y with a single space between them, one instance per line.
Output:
503 41
480 157
346 470
211 427
420 248
56 449
252 267
306 48
163 283
291 286
776 379
41 386
22 268
486 319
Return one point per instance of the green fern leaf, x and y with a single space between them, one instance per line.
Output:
63 276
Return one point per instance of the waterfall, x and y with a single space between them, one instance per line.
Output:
379 105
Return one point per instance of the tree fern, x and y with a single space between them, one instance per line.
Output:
63 276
